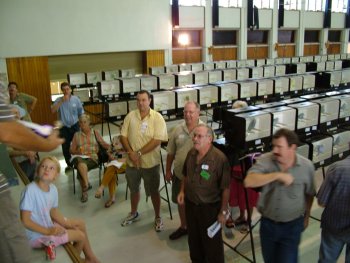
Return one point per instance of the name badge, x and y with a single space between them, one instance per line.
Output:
204 174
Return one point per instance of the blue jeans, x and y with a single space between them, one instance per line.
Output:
332 245
280 241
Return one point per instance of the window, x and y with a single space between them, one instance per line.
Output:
193 36
315 5
285 36
190 2
224 37
339 6
263 3
230 3
292 5
312 36
334 35
257 37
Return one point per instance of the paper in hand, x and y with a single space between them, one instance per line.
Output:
213 229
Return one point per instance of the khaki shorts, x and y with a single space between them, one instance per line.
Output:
90 163
175 188
150 176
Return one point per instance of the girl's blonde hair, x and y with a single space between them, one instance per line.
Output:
52 159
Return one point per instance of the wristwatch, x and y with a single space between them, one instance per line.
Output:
139 153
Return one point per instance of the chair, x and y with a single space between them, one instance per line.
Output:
100 167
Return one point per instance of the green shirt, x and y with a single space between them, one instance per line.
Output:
206 180
180 143
22 100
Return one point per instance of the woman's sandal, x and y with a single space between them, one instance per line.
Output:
84 195
230 223
240 221
98 194
109 203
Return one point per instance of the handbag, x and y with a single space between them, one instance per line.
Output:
102 153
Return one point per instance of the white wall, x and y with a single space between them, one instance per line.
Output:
338 20
313 20
265 18
191 16
229 17
56 27
291 18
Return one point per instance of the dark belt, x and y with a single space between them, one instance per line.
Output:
202 204
279 222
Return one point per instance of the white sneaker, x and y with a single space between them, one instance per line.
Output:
158 224
131 218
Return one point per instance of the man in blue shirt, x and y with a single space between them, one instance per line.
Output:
69 108
334 196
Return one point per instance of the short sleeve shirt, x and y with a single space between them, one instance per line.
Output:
180 143
87 144
334 194
70 110
39 203
6 114
22 100
285 203
200 190
140 131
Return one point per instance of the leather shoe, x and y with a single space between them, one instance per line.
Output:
178 233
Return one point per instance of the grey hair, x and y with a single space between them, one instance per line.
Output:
84 116
239 104
196 104
210 131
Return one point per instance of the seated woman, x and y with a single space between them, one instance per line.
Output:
84 149
110 177
42 219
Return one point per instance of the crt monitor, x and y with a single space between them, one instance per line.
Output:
76 79
164 102
93 77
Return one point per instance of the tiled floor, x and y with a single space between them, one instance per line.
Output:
139 242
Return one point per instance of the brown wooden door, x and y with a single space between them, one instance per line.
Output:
257 52
224 53
32 77
153 58
311 49
286 51
333 48
187 55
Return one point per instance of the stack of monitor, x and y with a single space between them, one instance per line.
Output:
320 121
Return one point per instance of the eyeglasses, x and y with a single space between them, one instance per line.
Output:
199 136
189 112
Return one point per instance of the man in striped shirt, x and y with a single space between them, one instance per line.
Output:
14 246
334 196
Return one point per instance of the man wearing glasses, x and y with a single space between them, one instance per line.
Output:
179 144
205 190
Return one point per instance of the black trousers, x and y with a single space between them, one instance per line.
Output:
67 133
203 249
